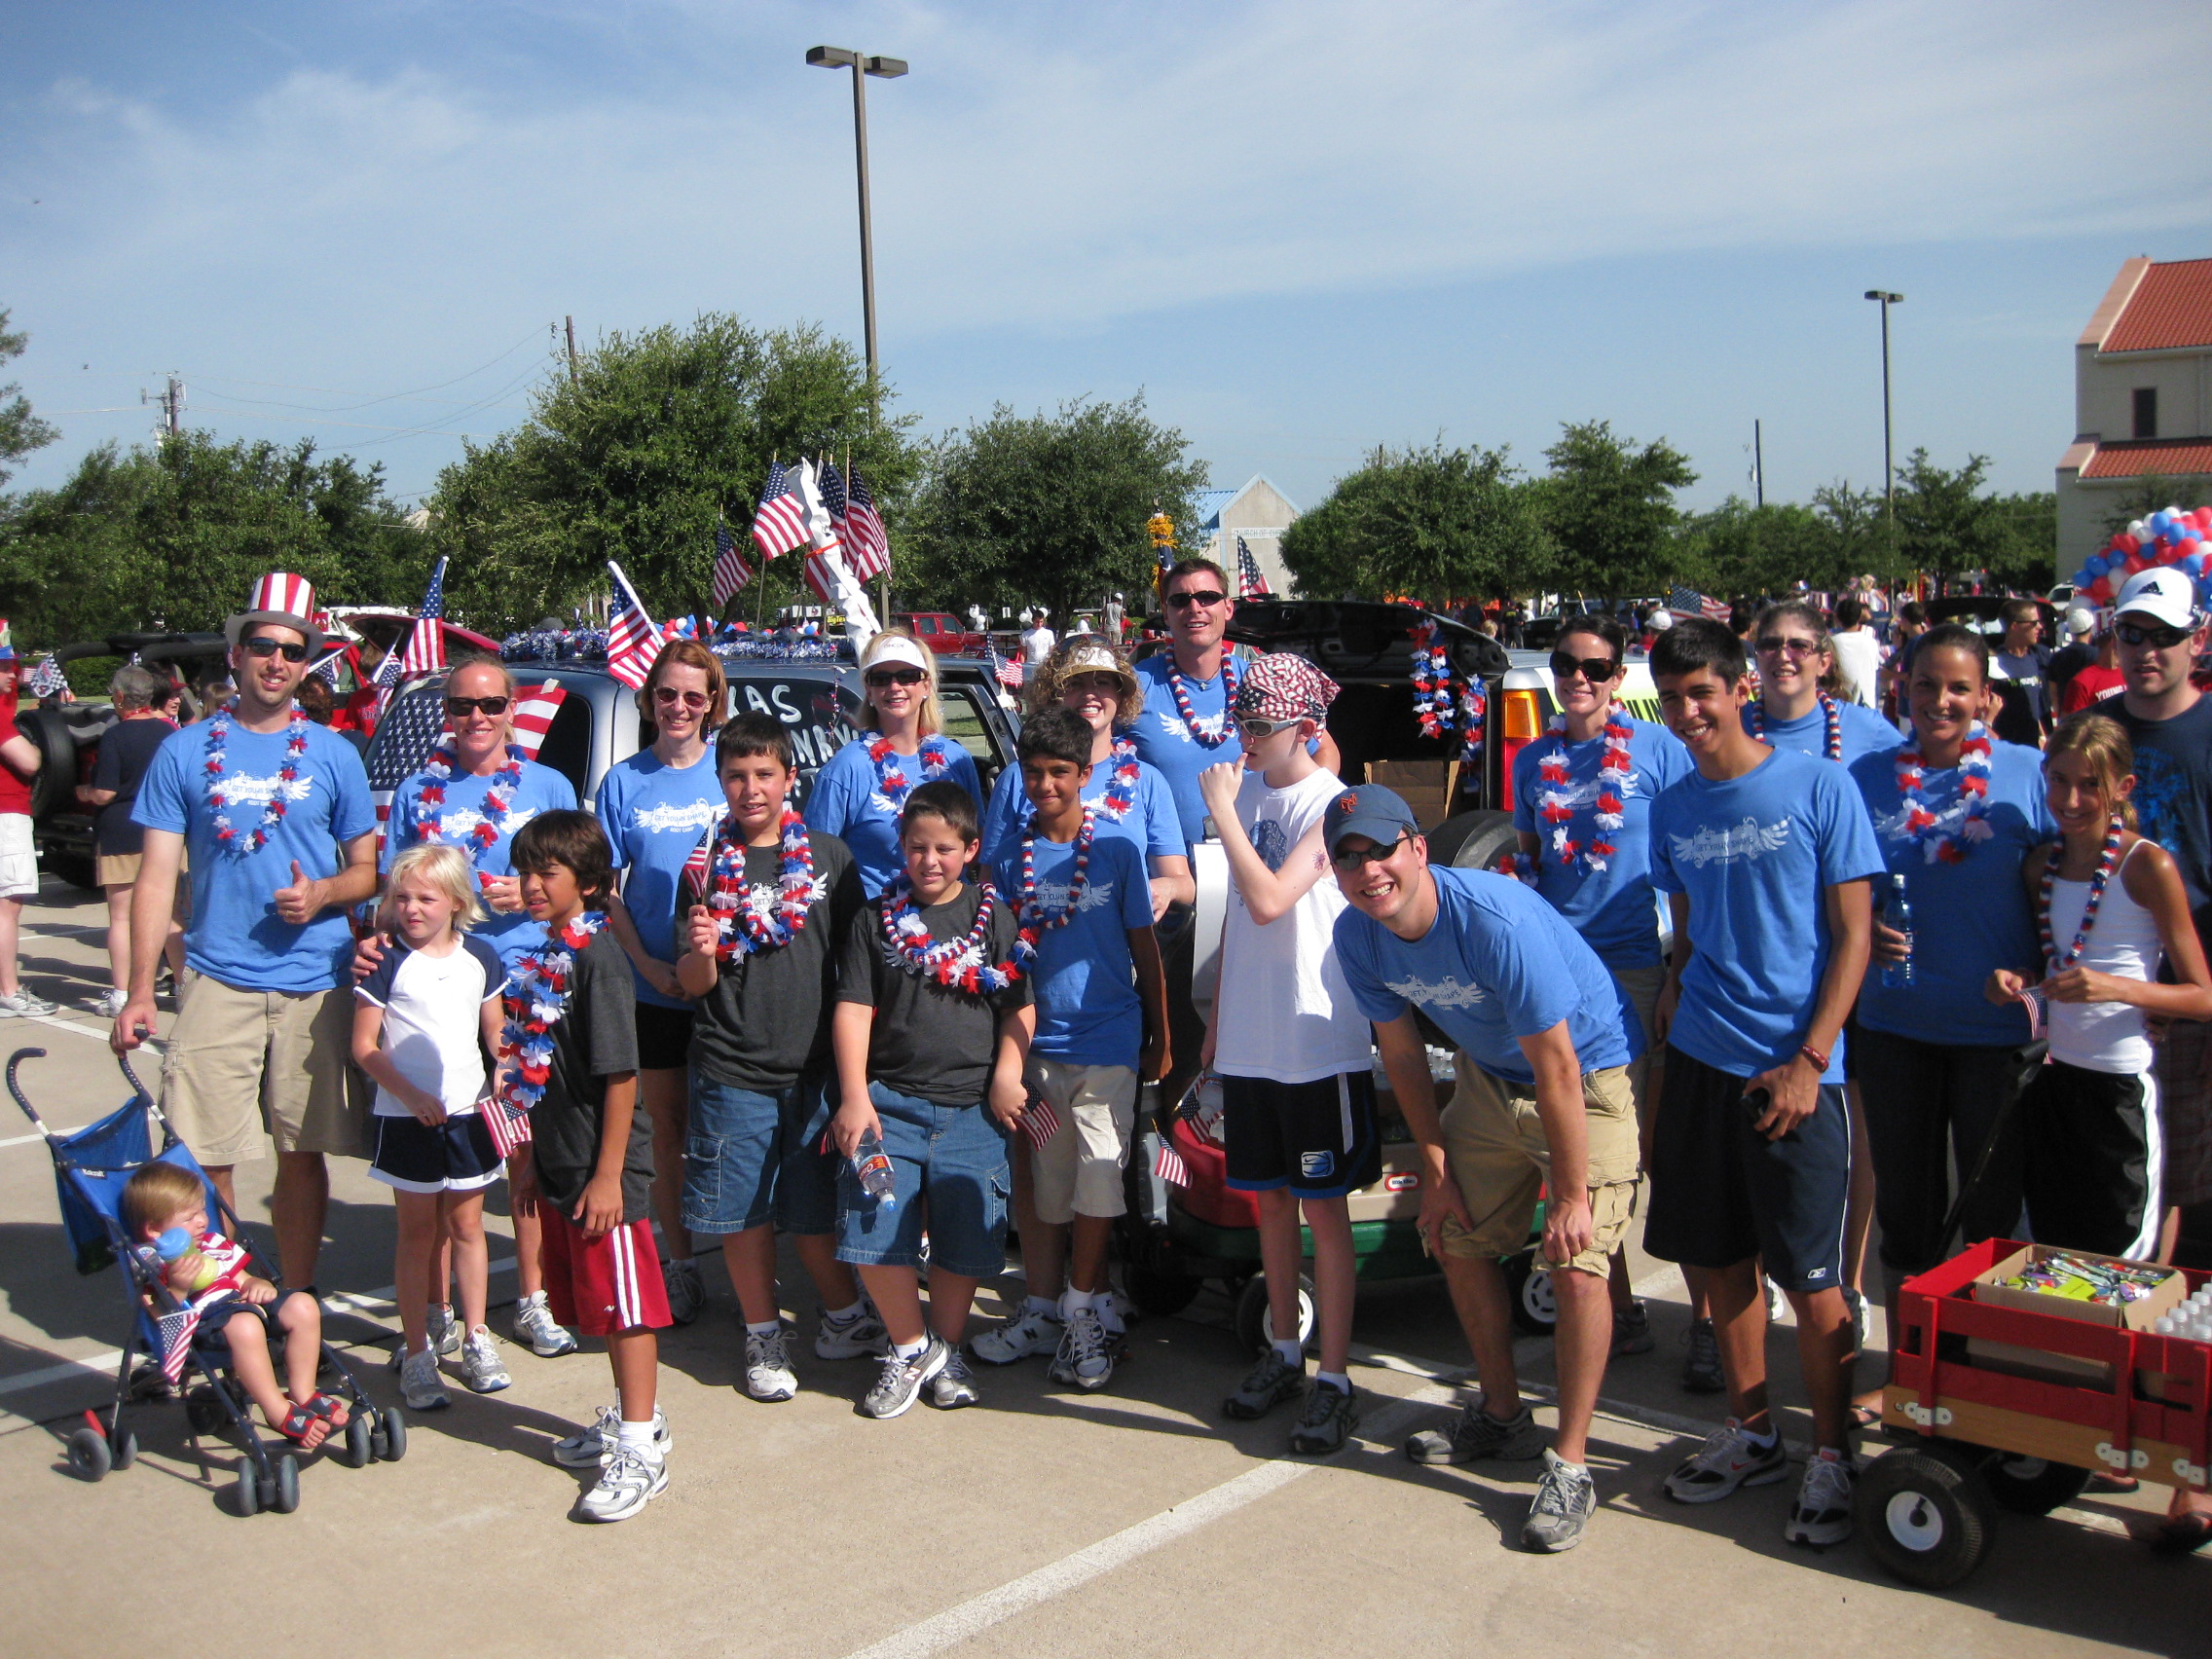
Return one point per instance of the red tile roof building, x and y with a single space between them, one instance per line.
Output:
2142 402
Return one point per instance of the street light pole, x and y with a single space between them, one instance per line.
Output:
1889 464
861 67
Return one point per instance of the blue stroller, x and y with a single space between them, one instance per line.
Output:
90 1171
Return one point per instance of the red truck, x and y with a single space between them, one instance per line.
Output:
942 631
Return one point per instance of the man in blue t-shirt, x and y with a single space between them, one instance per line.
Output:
1767 854
275 813
1546 1038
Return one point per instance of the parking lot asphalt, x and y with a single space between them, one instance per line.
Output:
1043 1522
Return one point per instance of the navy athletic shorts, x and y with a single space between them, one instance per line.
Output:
1720 1192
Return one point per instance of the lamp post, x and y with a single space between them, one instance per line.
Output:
861 67
1886 299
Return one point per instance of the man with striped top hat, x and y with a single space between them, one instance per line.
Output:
275 813
18 855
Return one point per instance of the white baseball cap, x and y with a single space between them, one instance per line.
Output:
2080 622
896 648
2166 594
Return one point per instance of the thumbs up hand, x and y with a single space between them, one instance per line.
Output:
299 902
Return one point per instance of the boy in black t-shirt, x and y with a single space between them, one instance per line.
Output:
930 1035
569 1051
766 905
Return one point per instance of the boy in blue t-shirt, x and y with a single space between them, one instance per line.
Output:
1767 854
1086 900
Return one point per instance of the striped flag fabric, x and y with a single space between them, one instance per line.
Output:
1006 674
865 533
508 1123
1250 585
633 643
1040 1123
1169 1166
533 716
779 521
731 572
1688 601
427 641
173 1340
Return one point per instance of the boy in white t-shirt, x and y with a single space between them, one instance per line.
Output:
1291 1046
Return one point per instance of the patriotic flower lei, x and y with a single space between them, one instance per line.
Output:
1974 788
1432 694
1228 678
535 997
891 779
1614 769
2108 861
218 740
743 925
499 799
959 964
1831 743
1035 923
1122 784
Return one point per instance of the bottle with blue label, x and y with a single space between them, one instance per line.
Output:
1897 915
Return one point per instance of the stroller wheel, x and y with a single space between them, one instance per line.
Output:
201 1410
359 1450
394 1433
247 1490
283 1492
89 1455
124 1448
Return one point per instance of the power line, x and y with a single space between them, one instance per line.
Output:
384 398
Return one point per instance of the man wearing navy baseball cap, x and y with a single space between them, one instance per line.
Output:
1546 1038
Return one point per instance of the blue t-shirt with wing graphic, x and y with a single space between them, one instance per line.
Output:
653 815
845 802
1087 1012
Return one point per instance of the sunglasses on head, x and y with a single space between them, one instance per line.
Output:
879 677
1353 862
1596 670
459 708
1188 597
264 646
1256 729
2164 636
670 696
1774 645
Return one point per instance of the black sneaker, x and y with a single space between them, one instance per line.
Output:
1700 1369
1477 1434
1266 1386
1631 1330
1330 1416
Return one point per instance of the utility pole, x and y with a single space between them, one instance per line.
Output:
1889 462
571 350
1758 467
172 400
861 67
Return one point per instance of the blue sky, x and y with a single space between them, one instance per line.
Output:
1302 229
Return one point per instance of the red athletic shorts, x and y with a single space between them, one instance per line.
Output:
604 1285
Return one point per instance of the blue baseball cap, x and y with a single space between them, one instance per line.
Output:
1369 810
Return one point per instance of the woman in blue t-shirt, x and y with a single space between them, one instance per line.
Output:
1956 810
654 806
859 791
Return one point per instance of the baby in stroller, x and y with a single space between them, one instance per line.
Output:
166 1208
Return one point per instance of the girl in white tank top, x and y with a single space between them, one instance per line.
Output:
2122 942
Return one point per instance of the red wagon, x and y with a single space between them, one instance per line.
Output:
1984 1437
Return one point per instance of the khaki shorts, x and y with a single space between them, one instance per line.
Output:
246 1065
122 869
1495 1143
1079 1170
1642 985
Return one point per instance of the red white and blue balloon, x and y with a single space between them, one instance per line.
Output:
2172 537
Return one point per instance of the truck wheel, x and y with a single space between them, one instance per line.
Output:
1926 1518
54 786
1473 841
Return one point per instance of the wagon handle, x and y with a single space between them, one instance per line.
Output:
13 1060
137 1087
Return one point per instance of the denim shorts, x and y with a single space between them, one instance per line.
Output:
955 1156
752 1157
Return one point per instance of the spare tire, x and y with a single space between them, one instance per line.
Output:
56 786
1472 840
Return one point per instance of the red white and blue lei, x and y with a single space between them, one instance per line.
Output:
1121 781
426 828
218 798
536 995
1228 680
2108 861
743 923
1593 849
1035 922
961 964
1973 788
891 780
1439 711
1831 741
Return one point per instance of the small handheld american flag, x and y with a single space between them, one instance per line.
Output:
1169 1166
1006 674
1688 601
731 572
508 1123
1040 1123
1250 585
633 643
173 1340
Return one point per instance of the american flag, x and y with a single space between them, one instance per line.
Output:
1040 1123
633 643
405 737
427 643
533 716
1250 585
173 1340
1688 601
865 533
779 522
508 1123
1169 1166
1008 673
731 572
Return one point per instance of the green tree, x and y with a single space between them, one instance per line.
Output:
1047 508
635 456
2027 555
21 431
1434 524
2152 493
1737 549
1946 526
1611 507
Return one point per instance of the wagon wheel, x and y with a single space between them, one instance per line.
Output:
1255 1322
1926 1516
2032 1486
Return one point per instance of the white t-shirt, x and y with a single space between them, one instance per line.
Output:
1036 646
1284 1011
1859 656
432 1009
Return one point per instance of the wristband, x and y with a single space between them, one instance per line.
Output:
1819 1059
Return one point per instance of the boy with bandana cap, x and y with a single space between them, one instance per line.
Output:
1290 1043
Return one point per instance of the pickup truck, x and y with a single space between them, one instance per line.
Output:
942 631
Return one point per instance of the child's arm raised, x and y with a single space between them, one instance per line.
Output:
1009 1096
600 1211
1269 894
1152 991
369 1054
2152 882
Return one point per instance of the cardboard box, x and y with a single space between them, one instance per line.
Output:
2066 1369
1427 787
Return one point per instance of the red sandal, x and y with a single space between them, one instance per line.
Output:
331 1409
302 1420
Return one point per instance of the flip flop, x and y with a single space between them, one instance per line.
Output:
1866 1417
329 1407
304 1428
2182 1534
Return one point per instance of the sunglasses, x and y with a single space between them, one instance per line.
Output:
2163 637
1596 670
879 677
668 696
460 707
1353 862
1255 730
1774 645
264 646
1188 597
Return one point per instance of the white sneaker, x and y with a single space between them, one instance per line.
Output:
444 1333
1035 1332
110 1004
1085 1358
629 1481
535 1325
591 1448
1822 1514
421 1388
768 1374
857 1338
480 1365
22 1006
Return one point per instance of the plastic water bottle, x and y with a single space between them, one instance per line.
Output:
873 1164
1896 915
